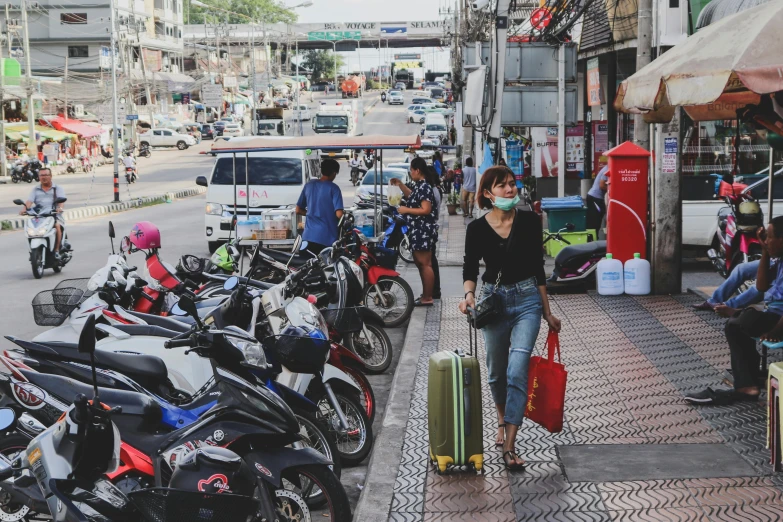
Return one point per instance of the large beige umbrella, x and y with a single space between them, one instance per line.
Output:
721 68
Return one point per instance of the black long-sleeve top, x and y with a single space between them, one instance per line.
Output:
524 260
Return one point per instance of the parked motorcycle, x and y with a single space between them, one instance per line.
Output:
42 238
735 239
19 172
575 265
258 430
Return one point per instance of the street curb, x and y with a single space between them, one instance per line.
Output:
376 497
371 107
101 210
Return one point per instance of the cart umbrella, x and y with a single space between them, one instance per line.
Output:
723 67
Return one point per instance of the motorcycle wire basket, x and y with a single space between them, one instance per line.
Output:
299 354
344 320
174 505
385 257
52 307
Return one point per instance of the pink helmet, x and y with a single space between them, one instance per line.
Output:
145 235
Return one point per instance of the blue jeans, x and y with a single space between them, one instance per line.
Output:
742 273
510 340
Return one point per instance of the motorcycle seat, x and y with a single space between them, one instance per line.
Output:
283 257
163 322
584 250
66 389
141 366
242 280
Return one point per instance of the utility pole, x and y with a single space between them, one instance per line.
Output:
32 147
253 123
66 85
3 155
561 137
641 130
114 118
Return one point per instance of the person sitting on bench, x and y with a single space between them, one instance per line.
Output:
746 325
721 300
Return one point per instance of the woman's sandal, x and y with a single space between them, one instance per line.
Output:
512 466
500 444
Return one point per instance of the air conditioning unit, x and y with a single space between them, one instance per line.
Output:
78 110
672 21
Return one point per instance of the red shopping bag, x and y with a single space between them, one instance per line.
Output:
546 386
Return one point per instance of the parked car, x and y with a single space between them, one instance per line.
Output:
166 138
285 103
207 132
395 97
400 85
302 111
219 126
233 130
367 186
417 116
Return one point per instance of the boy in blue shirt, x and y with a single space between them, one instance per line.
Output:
322 202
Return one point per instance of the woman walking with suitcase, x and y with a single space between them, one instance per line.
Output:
512 299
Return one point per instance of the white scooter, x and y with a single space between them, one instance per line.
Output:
42 238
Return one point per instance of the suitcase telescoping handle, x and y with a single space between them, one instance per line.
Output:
472 331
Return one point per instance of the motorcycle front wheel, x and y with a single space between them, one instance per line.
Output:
355 443
368 395
37 262
315 435
298 482
372 346
395 302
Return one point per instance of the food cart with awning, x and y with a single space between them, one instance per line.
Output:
241 148
74 126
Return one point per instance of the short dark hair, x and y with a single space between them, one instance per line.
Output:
491 177
329 167
47 169
468 162
777 225
419 164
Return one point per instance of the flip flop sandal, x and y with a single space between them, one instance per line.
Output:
514 466
500 444
418 302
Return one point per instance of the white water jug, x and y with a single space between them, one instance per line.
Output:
636 276
609 276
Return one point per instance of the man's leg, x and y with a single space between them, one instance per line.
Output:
745 359
59 239
463 201
471 199
743 272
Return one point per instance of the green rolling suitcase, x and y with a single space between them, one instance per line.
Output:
454 416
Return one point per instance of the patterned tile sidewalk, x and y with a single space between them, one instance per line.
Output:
629 360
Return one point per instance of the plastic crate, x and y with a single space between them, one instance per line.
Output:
554 246
558 219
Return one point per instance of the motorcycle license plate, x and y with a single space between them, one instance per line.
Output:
331 154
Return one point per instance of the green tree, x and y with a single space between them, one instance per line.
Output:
259 11
321 63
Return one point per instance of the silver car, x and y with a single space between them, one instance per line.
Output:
396 97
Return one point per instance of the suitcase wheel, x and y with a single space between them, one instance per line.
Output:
477 462
443 463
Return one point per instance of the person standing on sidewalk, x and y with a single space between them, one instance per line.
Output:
510 243
424 230
322 202
437 191
468 192
596 206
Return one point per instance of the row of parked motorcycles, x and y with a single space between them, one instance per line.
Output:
213 396
25 171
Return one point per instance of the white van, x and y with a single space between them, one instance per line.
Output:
276 179
435 127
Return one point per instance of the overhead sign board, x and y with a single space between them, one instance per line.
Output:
105 113
132 117
334 36
409 56
392 30
212 95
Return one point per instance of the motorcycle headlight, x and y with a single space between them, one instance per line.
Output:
214 209
254 353
357 271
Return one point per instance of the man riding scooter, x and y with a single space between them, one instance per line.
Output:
130 167
357 171
43 196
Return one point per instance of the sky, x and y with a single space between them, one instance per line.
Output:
377 11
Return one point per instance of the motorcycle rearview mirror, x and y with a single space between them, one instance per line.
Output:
231 283
18 202
303 246
7 419
87 345
57 201
186 304
111 236
176 310
297 246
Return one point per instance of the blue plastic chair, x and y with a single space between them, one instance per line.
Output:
765 347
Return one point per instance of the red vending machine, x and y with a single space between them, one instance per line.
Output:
626 221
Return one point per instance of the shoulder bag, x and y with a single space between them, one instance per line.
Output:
488 309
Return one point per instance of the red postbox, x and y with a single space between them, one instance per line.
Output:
626 222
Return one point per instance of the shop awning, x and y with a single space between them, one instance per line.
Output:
319 141
724 67
18 132
74 126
